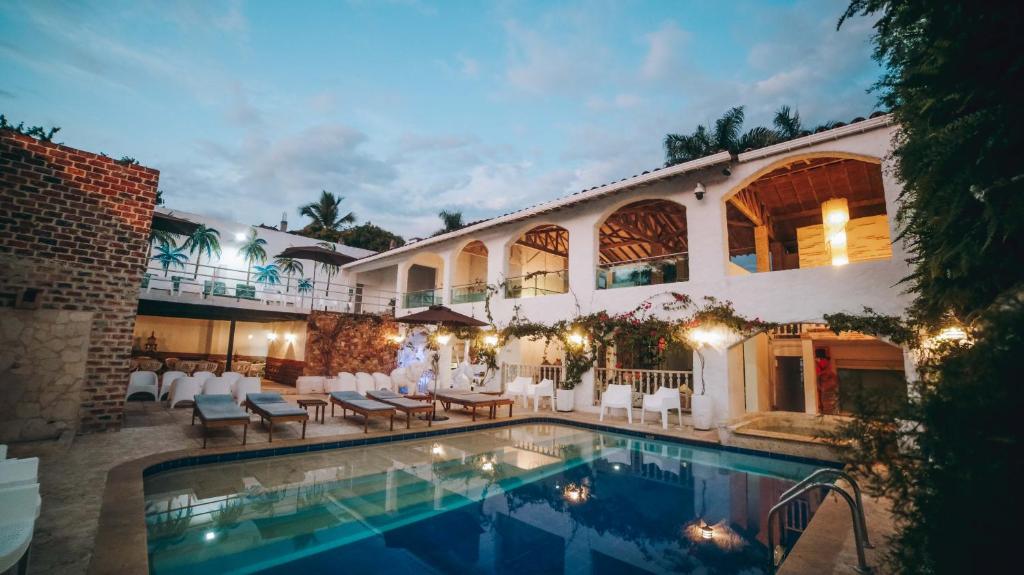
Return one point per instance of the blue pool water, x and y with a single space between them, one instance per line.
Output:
522 499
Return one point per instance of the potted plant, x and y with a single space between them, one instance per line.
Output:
578 361
701 406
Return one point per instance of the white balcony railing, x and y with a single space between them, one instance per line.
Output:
644 381
510 371
220 286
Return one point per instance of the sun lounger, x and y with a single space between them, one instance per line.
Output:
404 404
473 401
355 401
219 411
273 408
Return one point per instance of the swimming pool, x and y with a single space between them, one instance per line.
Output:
524 498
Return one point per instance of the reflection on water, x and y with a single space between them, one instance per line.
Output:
520 499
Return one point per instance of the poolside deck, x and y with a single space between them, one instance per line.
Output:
74 473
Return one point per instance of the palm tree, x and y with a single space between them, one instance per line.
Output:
268 274
787 123
305 286
203 240
326 213
702 142
330 269
452 221
290 266
253 251
162 237
168 255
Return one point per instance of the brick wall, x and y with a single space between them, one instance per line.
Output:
352 342
76 225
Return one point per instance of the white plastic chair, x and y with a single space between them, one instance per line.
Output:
400 377
15 472
663 399
216 386
143 382
20 506
185 389
461 381
245 386
232 376
347 381
310 384
167 380
203 375
617 397
518 388
381 380
546 388
364 382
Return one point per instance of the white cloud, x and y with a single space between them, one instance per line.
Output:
664 52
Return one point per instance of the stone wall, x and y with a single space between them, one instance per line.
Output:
74 229
42 367
348 342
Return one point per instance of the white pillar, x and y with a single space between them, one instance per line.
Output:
583 257
707 234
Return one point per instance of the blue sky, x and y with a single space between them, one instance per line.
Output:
249 109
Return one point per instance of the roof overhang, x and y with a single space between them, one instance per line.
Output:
214 312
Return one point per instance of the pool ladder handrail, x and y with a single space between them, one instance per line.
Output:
860 531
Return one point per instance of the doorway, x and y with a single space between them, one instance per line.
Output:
789 384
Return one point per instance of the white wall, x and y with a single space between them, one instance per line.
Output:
781 296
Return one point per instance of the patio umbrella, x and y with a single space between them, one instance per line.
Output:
440 316
173 224
317 254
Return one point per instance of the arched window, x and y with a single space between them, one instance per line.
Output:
538 263
423 281
809 212
643 243
470 279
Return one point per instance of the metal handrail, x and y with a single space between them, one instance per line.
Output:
855 513
845 477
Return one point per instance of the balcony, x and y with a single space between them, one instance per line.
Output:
421 298
226 287
468 293
537 284
644 272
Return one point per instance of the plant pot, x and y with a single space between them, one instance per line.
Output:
702 411
565 399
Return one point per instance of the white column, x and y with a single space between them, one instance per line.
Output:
707 234
447 274
401 281
582 257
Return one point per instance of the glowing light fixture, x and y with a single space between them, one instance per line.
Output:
289 337
240 237
835 214
271 336
437 449
706 531
396 338
487 466
710 335
443 338
491 340
576 493
576 339
616 467
209 536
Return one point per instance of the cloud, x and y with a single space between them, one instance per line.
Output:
563 53
664 52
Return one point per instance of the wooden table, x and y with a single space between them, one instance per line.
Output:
319 407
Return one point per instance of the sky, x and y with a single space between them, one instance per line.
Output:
249 109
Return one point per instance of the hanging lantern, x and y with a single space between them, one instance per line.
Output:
835 214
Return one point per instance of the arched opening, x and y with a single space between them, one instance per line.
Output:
538 263
809 212
643 243
470 274
423 281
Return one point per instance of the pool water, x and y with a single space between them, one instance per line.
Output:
522 499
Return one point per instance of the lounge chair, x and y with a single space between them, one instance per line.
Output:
273 408
356 402
473 401
219 411
407 406
20 506
617 397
